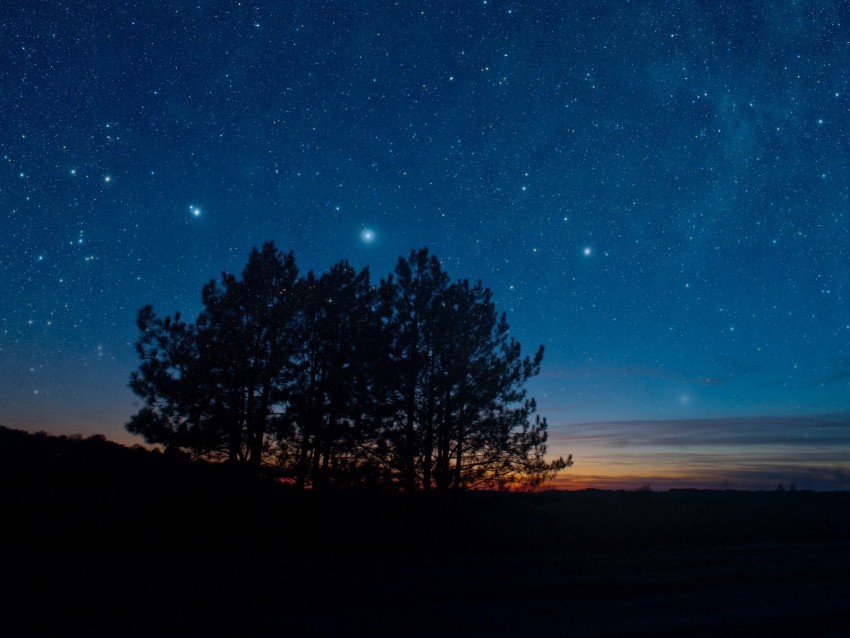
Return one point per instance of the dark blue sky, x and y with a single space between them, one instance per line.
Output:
659 192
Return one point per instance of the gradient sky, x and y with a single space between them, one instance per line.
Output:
658 192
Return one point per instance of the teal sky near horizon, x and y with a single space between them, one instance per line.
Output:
657 192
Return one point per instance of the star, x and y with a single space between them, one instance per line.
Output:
323 156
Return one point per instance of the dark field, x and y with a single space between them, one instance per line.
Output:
103 540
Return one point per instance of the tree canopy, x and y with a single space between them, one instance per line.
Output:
414 383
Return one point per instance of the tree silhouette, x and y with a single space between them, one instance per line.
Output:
461 416
409 304
172 413
212 387
485 436
326 422
415 384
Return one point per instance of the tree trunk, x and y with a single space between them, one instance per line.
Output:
461 426
258 431
409 462
428 442
444 445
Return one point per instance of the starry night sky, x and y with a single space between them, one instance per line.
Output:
658 192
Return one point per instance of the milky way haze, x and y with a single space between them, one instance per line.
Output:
656 192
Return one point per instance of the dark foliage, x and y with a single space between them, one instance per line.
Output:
211 387
413 384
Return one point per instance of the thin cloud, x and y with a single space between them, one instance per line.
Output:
743 453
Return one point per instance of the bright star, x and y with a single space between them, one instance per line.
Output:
367 236
196 211
587 251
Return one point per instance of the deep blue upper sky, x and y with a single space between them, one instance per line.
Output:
658 192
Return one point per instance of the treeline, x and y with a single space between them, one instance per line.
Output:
414 383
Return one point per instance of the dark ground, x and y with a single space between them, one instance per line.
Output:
106 541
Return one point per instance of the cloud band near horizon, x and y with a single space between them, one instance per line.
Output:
758 452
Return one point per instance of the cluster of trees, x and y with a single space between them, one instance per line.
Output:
414 383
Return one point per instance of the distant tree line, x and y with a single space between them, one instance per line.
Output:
414 383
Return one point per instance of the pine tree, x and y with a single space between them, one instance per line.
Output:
409 306
213 386
416 384
325 426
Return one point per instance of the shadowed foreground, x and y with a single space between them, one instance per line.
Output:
110 541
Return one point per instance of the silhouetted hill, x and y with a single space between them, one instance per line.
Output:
55 488
106 493
112 540
42 459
